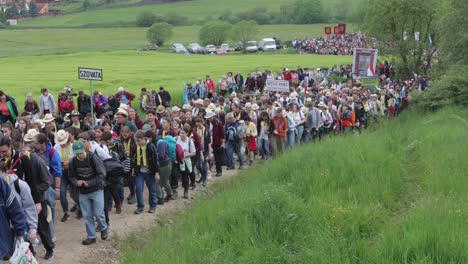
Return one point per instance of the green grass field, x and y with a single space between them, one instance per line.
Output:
396 194
61 41
196 11
134 70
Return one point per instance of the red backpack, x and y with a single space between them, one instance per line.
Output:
179 154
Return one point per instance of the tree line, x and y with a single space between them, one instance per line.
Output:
216 32
430 38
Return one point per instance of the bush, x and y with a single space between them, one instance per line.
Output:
86 4
2 17
145 19
12 12
33 9
175 19
159 33
450 89
214 33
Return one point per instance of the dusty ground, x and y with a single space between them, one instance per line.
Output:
69 250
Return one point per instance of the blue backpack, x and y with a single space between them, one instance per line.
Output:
171 145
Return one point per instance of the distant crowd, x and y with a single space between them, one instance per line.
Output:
56 148
336 44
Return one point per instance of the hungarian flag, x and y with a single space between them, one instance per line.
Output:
370 70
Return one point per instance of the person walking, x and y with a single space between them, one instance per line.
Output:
47 103
32 169
233 142
87 173
8 109
11 214
145 168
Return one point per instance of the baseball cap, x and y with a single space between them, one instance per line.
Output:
78 147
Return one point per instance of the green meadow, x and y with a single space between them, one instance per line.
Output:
196 11
60 41
394 194
134 70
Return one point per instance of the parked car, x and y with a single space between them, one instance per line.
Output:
150 47
223 49
178 48
251 46
210 49
279 43
267 44
195 48
238 46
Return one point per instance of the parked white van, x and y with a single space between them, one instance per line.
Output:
267 44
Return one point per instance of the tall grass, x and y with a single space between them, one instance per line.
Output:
396 194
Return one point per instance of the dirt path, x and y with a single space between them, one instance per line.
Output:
69 250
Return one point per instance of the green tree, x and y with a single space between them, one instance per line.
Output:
33 9
12 12
145 19
86 4
2 17
390 19
244 31
159 33
453 28
23 12
215 33
308 12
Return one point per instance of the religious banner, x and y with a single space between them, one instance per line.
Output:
364 62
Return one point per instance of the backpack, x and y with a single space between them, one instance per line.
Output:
171 146
180 154
113 166
231 133
163 156
17 187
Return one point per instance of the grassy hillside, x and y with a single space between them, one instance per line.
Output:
396 194
195 11
60 41
134 70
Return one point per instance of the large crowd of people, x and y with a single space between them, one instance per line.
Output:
57 150
337 44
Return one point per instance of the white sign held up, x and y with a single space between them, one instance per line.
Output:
90 74
277 86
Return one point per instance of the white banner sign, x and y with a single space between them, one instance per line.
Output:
90 74
277 86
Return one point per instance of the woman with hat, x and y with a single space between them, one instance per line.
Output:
299 120
265 128
75 121
122 121
327 119
160 110
50 126
63 143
